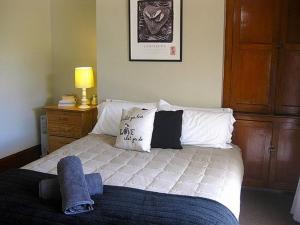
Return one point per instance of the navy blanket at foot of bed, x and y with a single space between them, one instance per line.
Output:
19 204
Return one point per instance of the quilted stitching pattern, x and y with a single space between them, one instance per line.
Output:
194 171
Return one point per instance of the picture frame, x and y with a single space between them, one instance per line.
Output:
155 30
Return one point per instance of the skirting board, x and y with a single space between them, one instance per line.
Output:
20 159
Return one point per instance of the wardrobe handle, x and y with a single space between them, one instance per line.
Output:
272 149
280 45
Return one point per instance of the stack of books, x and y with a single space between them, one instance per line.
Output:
67 101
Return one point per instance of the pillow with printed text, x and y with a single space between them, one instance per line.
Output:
135 130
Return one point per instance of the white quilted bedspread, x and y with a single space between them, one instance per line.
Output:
194 171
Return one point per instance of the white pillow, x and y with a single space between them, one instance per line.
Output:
109 115
164 105
119 100
115 100
207 127
136 129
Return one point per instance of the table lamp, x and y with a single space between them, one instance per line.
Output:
84 78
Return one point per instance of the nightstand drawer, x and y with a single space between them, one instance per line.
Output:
57 142
65 130
64 118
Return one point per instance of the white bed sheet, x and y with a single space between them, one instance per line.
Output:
194 171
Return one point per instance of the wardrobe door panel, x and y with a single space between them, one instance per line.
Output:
254 56
256 21
285 166
288 84
292 15
288 101
254 139
251 79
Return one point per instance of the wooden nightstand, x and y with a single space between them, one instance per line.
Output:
67 124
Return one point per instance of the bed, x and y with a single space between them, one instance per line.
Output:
193 173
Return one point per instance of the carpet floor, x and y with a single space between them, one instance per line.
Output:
266 208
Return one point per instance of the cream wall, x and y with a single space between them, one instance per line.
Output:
73 33
196 81
41 42
25 67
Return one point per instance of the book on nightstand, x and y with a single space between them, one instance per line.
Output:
67 101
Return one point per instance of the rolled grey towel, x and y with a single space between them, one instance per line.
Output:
49 188
73 187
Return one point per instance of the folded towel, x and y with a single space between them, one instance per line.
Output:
73 187
49 188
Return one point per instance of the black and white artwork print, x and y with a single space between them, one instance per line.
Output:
155 30
155 21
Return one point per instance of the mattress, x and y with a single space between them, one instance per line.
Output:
194 171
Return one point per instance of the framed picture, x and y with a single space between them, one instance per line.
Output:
155 30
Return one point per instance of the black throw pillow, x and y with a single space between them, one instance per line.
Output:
167 129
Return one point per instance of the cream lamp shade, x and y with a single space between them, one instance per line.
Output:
84 78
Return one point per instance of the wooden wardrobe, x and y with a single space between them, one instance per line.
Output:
262 85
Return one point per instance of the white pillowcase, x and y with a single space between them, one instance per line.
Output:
136 129
207 127
109 115
163 105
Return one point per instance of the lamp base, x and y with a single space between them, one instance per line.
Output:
84 107
84 104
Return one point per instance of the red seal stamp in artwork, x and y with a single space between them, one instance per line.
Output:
172 50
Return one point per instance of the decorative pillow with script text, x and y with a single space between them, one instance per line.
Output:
136 129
